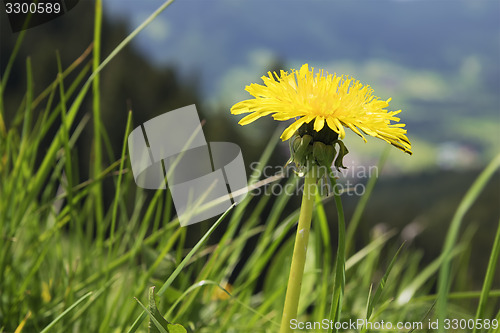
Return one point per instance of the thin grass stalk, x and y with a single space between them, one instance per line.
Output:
338 291
118 186
5 78
96 111
49 327
360 207
66 145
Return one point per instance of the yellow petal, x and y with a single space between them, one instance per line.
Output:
332 125
319 123
285 116
290 130
241 107
252 117
304 69
355 130
335 125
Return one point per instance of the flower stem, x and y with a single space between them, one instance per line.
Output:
299 252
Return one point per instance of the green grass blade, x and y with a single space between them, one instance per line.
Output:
444 279
376 298
49 119
193 251
458 295
338 290
66 72
498 321
96 112
409 291
488 280
89 304
372 246
156 326
68 310
65 138
29 99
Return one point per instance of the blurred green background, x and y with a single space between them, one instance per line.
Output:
439 61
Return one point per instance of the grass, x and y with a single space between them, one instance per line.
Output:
70 263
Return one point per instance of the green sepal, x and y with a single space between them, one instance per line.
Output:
323 154
301 150
342 152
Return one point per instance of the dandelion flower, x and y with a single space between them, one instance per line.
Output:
321 105
323 101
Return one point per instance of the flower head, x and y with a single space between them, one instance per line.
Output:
321 100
